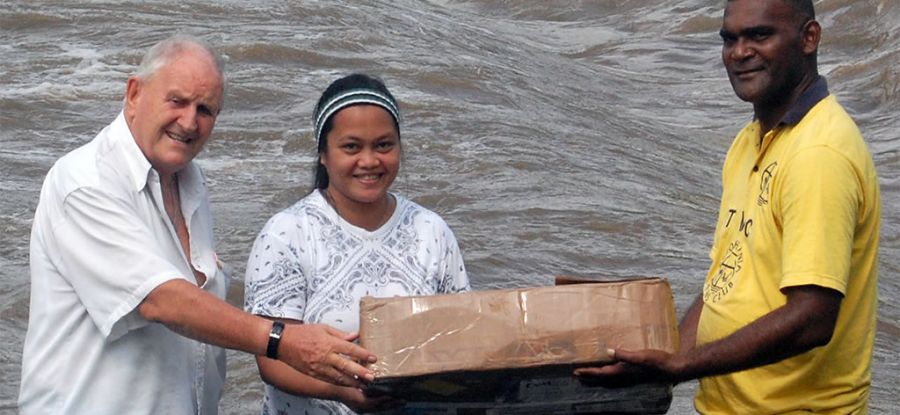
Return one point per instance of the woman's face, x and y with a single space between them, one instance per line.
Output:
362 156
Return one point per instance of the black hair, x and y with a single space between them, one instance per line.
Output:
805 8
349 82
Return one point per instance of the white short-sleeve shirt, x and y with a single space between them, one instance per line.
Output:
100 243
310 264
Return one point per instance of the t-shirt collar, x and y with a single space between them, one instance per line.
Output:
816 92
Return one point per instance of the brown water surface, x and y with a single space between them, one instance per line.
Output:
576 137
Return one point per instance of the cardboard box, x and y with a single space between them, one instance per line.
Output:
513 351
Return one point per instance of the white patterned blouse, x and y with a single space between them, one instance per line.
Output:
310 264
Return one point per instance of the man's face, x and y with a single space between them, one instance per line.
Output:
172 113
763 50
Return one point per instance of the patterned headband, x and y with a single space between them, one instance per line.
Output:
354 96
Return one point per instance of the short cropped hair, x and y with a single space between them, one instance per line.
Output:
160 54
804 7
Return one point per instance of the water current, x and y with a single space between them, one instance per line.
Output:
555 137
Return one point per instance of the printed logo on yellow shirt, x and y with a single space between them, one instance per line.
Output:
764 181
724 279
719 286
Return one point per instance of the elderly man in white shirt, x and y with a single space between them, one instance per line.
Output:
127 312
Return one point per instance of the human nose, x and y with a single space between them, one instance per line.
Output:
368 158
741 49
188 119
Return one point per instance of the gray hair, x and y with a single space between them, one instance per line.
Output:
160 54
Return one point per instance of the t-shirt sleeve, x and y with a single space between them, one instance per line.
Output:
453 273
109 257
821 197
275 284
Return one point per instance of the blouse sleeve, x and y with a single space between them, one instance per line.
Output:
275 283
453 276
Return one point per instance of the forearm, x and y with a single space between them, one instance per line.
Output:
688 327
289 380
188 310
317 350
805 322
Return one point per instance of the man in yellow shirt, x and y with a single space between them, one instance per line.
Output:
786 320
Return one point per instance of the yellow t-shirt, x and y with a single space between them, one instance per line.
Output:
800 208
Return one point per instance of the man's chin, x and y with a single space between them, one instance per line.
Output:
751 90
745 94
172 164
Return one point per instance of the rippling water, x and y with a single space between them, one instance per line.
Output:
556 137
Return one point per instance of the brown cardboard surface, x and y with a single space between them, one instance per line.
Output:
526 328
512 351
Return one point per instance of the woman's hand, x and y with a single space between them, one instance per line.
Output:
359 402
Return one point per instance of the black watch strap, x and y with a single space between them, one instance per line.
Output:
274 339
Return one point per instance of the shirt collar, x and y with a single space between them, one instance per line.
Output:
137 164
816 92
140 168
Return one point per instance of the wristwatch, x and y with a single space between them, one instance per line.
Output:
274 339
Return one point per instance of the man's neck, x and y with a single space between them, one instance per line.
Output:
770 114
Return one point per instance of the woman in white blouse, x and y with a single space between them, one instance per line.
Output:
348 238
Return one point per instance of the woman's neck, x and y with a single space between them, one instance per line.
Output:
369 216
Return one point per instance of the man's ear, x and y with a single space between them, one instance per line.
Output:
811 35
132 90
